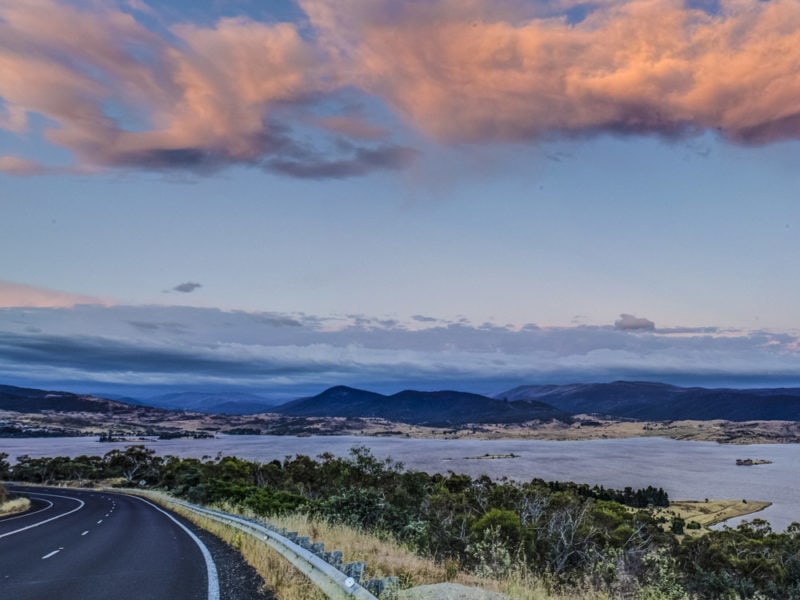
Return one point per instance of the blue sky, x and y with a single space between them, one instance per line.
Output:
389 219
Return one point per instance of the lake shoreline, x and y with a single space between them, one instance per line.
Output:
684 469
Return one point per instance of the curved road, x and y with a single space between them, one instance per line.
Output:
81 545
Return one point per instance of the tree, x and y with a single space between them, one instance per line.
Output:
135 462
505 522
5 467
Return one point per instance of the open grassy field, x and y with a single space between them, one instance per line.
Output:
142 421
710 512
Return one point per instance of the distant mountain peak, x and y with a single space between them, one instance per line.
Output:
441 408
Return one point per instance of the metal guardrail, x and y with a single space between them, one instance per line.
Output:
335 584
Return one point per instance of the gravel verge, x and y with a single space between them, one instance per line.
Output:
237 579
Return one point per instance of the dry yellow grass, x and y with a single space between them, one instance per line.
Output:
711 512
384 557
17 505
279 575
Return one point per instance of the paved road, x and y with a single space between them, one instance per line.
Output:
80 545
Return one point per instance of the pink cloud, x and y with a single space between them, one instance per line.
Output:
28 296
119 95
465 72
14 165
240 91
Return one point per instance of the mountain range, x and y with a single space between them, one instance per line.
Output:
662 402
437 409
642 401
229 403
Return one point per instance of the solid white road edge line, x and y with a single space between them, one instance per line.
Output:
80 506
211 568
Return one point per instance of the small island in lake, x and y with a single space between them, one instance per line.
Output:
746 462
488 456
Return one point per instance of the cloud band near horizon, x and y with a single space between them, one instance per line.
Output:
119 92
90 348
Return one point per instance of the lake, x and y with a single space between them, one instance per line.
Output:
686 470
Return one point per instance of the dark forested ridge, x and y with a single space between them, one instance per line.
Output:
29 400
230 403
444 408
662 402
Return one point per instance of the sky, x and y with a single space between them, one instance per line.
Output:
467 194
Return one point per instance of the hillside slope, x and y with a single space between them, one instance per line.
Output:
443 408
662 402
231 403
28 400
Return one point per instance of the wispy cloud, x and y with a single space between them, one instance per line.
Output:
199 97
21 295
360 161
14 165
507 71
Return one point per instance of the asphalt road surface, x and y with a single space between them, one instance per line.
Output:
81 545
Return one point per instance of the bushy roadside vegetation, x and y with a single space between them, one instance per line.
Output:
10 504
567 535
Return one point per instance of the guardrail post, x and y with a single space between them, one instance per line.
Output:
318 548
385 588
334 558
355 570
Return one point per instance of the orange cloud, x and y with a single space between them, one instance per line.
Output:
14 165
119 95
19 295
461 71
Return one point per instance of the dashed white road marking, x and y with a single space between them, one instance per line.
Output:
100 521
85 532
53 553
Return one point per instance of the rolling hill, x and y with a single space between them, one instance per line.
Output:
662 402
230 403
440 409
29 400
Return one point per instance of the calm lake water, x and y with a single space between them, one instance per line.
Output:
686 470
